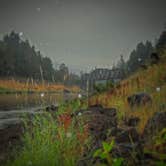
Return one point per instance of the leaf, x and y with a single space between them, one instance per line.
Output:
103 155
117 161
108 147
97 153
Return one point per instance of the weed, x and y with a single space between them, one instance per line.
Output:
104 153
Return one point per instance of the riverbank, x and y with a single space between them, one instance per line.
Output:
124 126
9 86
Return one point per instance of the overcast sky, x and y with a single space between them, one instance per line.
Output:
84 33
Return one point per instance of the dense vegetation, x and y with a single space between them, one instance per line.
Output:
142 55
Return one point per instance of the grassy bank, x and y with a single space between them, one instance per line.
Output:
151 81
56 140
16 86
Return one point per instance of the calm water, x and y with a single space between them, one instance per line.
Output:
28 101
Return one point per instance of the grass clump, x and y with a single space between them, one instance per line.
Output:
50 141
104 154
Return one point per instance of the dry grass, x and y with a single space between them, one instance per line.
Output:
16 85
142 81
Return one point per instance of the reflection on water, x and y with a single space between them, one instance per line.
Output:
22 101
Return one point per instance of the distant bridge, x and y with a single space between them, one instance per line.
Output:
100 74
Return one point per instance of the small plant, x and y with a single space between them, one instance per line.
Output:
104 153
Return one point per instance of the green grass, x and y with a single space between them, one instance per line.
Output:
47 143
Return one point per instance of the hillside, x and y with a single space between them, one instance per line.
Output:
151 81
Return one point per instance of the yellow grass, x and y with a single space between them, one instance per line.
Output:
12 84
143 81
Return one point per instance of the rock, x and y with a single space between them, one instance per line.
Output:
52 108
125 149
154 125
100 120
132 121
10 133
11 130
127 135
102 126
127 145
139 99
66 91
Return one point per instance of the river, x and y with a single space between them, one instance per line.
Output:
9 102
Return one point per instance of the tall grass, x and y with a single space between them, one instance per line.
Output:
51 141
24 86
47 144
151 81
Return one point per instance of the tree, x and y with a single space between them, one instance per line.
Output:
139 56
121 65
161 44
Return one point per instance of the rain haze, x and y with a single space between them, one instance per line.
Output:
84 33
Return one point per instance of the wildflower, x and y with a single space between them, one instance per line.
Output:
68 135
42 94
79 96
79 114
158 89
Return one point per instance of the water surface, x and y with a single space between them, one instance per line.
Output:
34 100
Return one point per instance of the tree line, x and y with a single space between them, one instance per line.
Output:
142 55
21 60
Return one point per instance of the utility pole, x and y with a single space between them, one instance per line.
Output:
87 91
41 72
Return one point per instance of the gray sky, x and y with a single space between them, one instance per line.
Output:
84 33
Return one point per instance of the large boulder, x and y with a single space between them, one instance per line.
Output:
139 99
52 108
127 135
10 133
11 130
154 125
99 120
132 121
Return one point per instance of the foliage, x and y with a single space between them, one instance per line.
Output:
104 153
139 56
20 59
161 44
102 87
51 142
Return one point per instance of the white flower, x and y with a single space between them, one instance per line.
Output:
158 89
79 114
79 96
68 135
42 94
